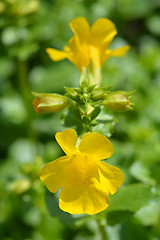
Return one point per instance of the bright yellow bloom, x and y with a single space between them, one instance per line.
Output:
89 43
85 180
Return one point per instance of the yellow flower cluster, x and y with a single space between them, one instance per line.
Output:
83 179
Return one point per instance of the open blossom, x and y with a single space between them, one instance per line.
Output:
85 181
89 43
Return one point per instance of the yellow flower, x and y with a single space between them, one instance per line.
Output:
89 44
85 180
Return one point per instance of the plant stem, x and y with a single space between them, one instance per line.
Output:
102 230
25 92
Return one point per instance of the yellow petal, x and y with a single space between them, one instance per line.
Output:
102 31
95 55
111 177
54 174
89 199
67 140
119 52
79 53
80 27
56 55
83 170
83 193
96 145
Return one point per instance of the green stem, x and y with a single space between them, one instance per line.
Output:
25 92
95 74
102 230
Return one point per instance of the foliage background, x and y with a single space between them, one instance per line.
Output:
27 28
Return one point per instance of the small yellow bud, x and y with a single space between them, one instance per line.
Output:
2 7
20 186
48 102
119 101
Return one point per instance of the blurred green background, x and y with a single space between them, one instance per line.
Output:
27 28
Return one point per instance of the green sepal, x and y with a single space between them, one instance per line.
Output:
119 101
48 102
100 93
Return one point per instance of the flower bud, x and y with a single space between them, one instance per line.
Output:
119 101
86 110
48 102
100 93
72 93
20 186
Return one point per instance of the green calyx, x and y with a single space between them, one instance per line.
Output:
48 102
86 98
119 101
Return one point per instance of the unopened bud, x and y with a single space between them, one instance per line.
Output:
20 186
100 93
72 93
119 101
86 110
48 102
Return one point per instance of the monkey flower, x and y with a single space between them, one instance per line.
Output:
85 181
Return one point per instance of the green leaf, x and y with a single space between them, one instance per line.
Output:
130 198
70 118
149 215
153 24
141 172
128 8
131 230
95 113
116 217
53 207
155 170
